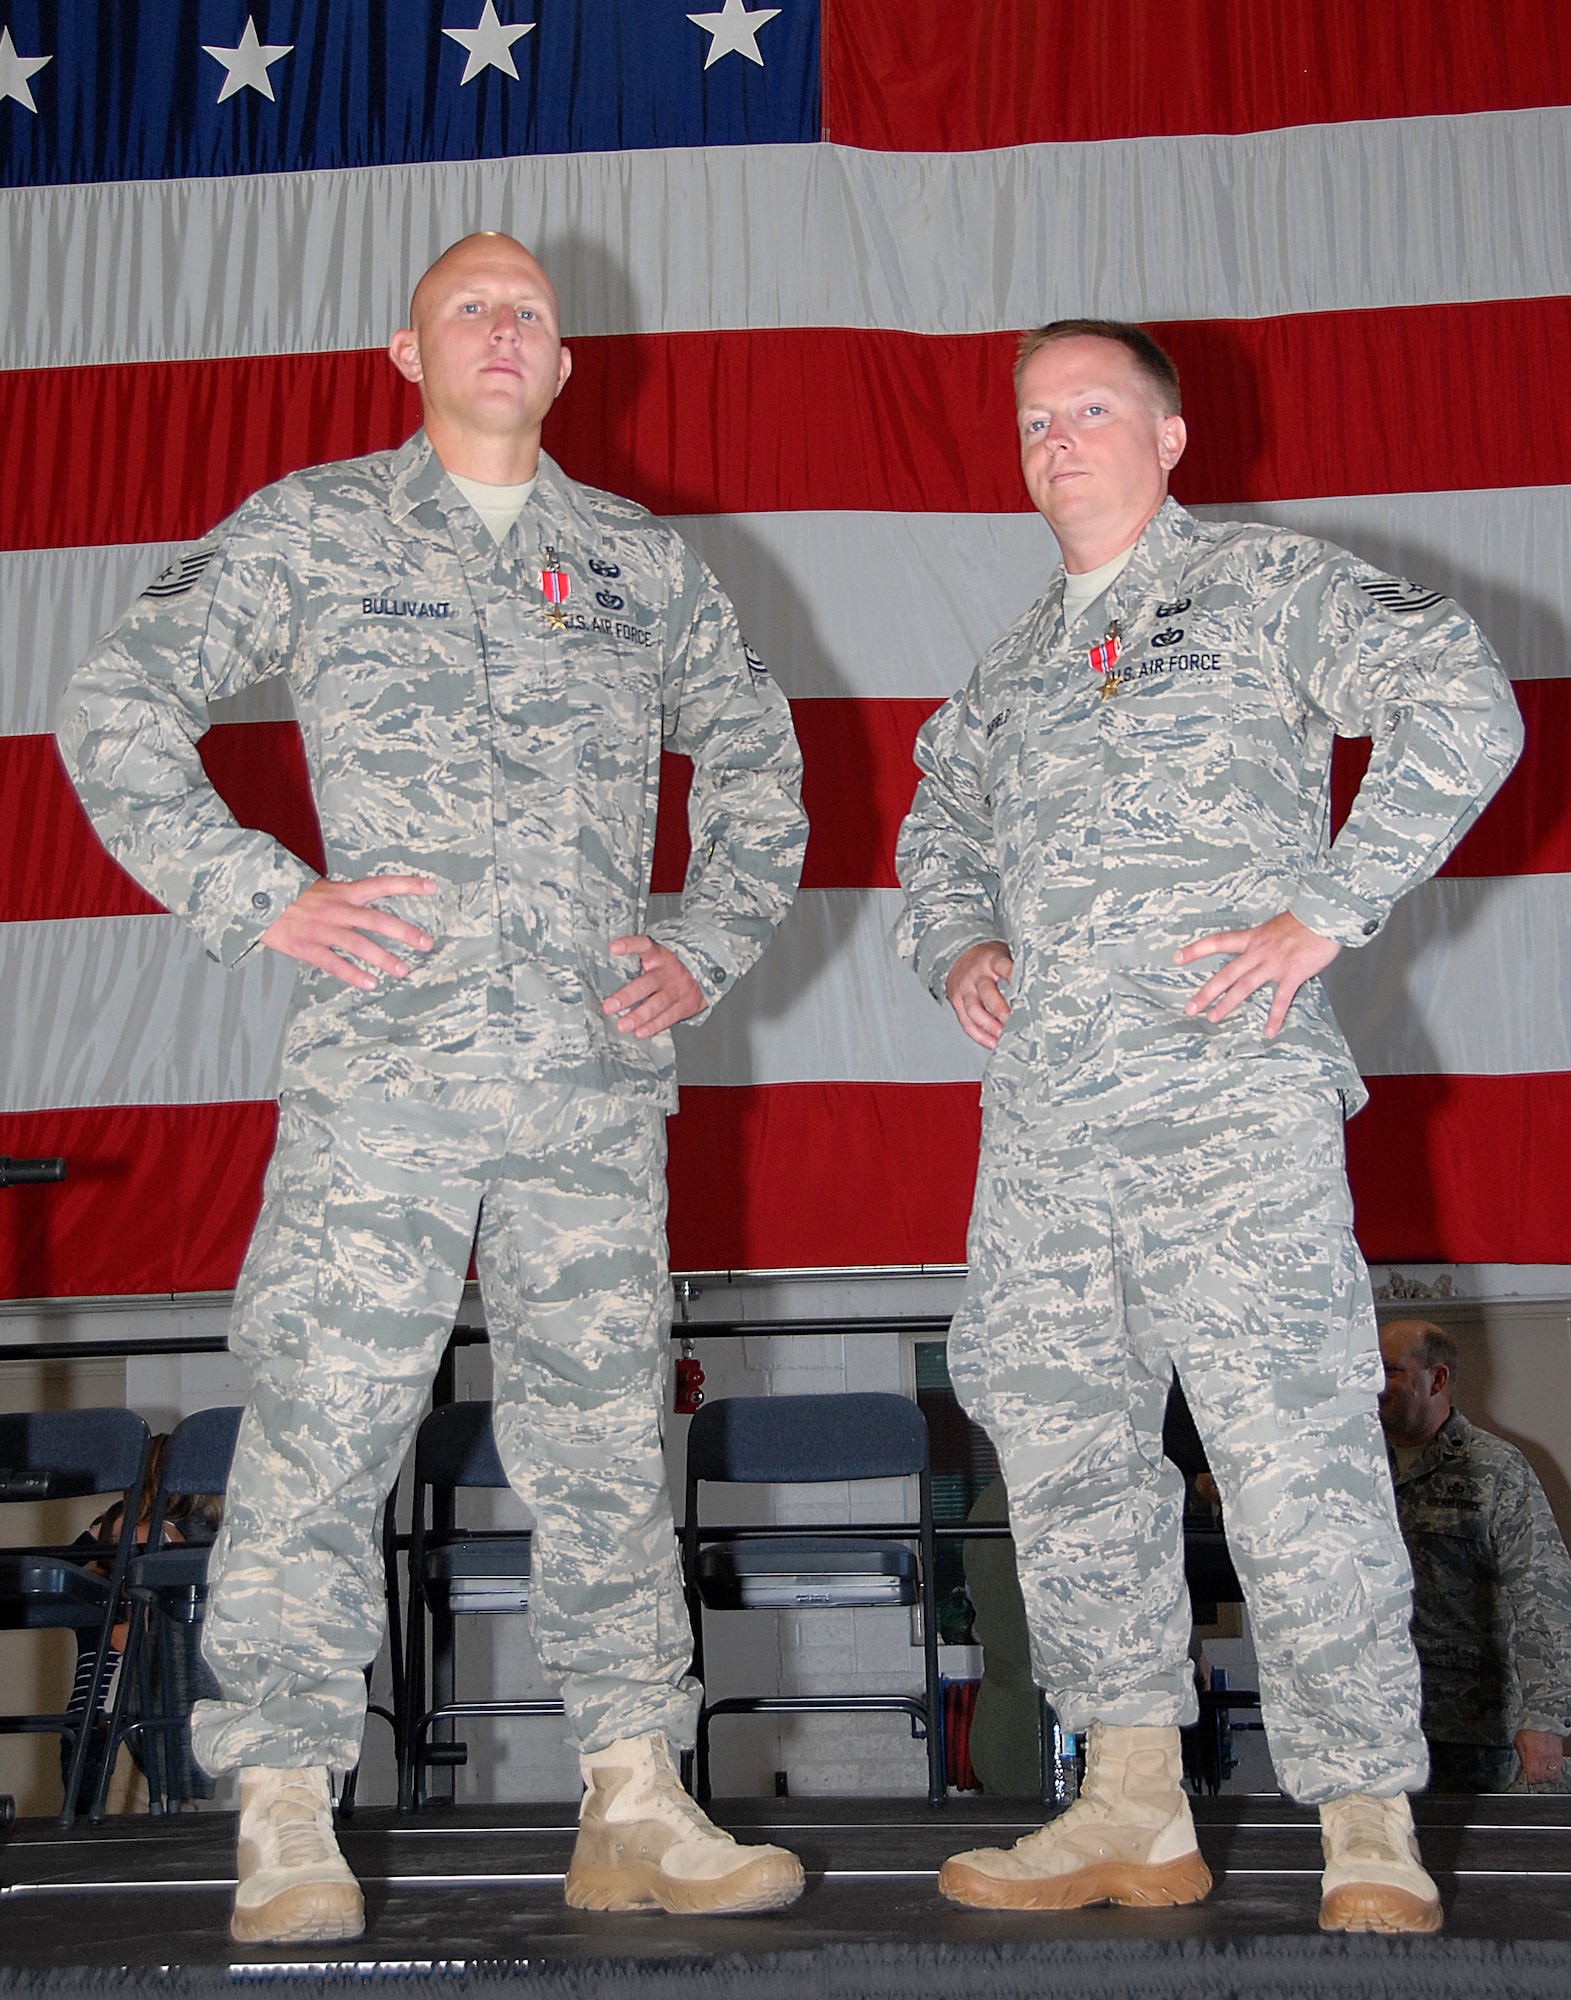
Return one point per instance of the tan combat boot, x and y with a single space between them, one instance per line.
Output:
294 1886
1128 1838
644 1845
1374 1879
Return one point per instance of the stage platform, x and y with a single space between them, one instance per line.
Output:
463 1901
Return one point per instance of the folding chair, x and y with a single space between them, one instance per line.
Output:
60 1454
809 1440
167 1586
454 1572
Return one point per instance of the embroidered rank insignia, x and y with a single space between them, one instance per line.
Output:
1396 595
182 575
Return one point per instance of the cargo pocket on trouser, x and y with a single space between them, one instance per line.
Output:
350 1291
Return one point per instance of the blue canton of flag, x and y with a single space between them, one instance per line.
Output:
168 89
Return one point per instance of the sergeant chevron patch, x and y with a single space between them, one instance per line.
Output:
1395 594
182 575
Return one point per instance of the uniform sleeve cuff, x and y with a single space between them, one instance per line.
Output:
1335 915
260 907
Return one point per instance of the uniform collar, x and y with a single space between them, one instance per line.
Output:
560 504
1160 560
421 490
1156 567
419 483
1451 1441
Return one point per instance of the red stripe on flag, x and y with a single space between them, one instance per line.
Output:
826 418
822 1174
1526 828
857 788
157 1198
1461 1169
52 864
930 76
162 1198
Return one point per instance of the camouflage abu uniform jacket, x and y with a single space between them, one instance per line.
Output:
458 725
1491 1589
1095 830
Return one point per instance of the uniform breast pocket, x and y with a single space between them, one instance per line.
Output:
1169 723
1446 1524
612 696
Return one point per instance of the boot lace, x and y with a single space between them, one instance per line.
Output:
675 1804
1364 1827
296 1816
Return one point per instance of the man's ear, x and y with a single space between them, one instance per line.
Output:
564 370
1440 1379
1171 439
404 351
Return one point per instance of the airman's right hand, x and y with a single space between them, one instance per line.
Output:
973 991
329 919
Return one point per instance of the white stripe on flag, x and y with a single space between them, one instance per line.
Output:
1214 226
131 1010
1467 978
891 605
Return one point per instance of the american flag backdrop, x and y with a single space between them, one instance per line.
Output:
794 244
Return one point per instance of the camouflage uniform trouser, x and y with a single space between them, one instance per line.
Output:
1152 1221
346 1301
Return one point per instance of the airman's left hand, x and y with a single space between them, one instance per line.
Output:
1283 952
1542 1754
664 993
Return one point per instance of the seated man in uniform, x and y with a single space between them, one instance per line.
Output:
485 659
1491 1578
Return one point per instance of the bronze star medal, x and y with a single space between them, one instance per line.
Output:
555 587
1104 657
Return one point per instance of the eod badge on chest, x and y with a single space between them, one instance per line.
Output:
1169 655
607 596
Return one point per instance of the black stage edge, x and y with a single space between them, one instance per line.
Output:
467 1902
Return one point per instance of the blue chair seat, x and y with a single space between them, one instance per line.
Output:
478 1572
813 1441
167 1585
60 1592
177 1575
806 1570
453 1571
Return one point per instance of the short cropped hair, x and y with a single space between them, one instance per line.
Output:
1154 362
1434 1346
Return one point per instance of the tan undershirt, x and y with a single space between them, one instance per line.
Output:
498 506
1082 591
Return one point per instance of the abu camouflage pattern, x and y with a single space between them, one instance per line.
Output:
1162 1220
1158 1189
1094 835
1491 1589
383 1162
459 724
